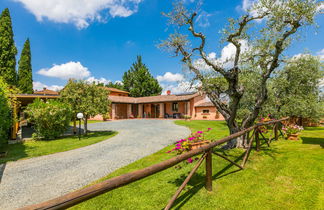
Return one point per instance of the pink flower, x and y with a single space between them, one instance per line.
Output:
191 138
199 132
177 148
189 160
178 145
209 129
168 151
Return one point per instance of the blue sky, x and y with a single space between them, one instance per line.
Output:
101 39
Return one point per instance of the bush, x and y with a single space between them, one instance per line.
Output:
5 118
51 119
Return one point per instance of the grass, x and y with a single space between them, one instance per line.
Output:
288 175
32 148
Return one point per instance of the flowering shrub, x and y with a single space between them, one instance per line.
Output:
51 119
292 129
184 145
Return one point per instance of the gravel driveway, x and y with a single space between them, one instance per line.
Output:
38 179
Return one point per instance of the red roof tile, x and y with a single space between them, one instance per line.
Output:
152 99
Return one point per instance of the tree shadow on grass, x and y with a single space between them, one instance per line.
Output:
2 168
14 152
198 181
311 140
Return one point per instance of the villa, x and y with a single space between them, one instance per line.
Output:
194 105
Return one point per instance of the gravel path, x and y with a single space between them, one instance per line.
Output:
38 179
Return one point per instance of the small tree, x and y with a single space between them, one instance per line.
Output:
25 76
89 99
51 119
258 53
139 82
8 49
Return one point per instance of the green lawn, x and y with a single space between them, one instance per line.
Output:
288 175
32 148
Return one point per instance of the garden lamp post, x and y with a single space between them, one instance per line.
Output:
79 116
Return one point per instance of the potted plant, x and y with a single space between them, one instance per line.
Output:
292 131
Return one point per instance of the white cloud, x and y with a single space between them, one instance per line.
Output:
66 71
226 60
40 86
181 87
249 7
170 77
101 80
320 7
203 19
80 12
119 82
321 54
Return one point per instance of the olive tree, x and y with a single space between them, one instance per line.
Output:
258 53
295 90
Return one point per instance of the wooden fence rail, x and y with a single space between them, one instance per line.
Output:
87 193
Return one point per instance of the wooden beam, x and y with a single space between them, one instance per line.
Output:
248 150
209 171
185 182
224 157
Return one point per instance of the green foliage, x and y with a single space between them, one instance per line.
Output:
294 91
51 119
117 85
5 117
25 77
139 82
8 49
89 99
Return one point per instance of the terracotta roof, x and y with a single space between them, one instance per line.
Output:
116 90
205 104
122 99
152 99
46 92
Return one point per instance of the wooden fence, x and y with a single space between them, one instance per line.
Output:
87 193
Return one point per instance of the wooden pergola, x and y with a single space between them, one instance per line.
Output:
23 101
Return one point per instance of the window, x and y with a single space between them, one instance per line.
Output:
206 111
175 107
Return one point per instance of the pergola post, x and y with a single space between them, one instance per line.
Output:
161 115
113 111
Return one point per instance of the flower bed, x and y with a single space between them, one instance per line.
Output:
194 141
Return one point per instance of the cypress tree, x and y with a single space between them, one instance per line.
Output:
25 77
8 49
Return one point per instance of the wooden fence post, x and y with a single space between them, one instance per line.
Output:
209 171
257 139
276 131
